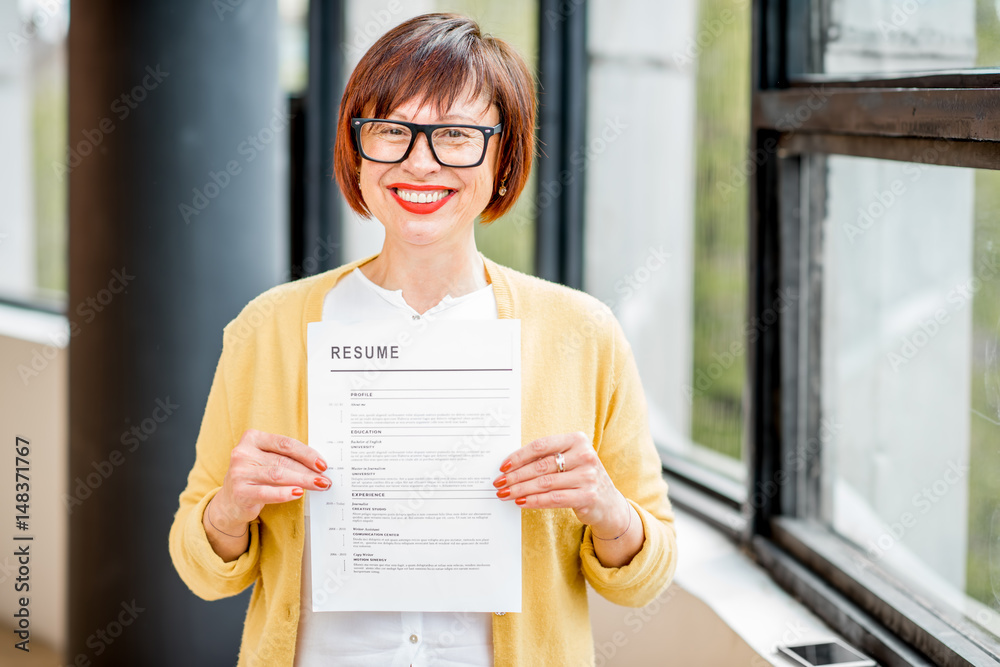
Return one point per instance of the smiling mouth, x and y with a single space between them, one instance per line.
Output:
422 196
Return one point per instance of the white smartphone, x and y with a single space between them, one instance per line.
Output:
825 654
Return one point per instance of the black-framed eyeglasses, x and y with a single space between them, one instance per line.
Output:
390 141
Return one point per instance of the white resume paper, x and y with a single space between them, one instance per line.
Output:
414 420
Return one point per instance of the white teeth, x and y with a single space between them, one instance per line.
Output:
422 196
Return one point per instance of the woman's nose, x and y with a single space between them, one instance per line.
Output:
421 158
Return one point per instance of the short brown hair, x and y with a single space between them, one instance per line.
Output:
434 58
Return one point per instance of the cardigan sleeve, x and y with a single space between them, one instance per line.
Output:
626 449
205 573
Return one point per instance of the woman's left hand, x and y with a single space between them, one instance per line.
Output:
531 477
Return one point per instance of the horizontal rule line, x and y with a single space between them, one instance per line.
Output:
429 398
415 370
441 389
421 435
418 489
423 498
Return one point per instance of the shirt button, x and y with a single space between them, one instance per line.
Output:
416 317
414 639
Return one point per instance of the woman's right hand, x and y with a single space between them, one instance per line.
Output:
264 468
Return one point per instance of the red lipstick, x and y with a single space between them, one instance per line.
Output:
414 207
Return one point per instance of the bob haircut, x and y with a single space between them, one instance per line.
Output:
436 58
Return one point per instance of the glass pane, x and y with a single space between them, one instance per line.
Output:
879 36
720 244
911 375
666 211
293 45
33 120
511 239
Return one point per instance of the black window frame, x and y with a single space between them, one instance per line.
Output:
777 519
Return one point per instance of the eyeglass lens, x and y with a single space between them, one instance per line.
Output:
455 146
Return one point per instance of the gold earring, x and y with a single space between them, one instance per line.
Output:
503 188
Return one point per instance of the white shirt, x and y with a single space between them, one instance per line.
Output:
396 639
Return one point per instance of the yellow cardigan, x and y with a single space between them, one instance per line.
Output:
578 374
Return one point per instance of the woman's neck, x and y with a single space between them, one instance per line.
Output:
425 274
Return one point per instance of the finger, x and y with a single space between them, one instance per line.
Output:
546 465
276 470
269 495
576 479
282 470
291 448
536 449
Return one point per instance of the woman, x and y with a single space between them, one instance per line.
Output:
435 129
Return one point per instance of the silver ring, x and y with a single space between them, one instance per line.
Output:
560 462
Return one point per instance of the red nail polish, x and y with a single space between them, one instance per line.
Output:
521 501
297 492
503 493
321 465
500 482
507 465
322 482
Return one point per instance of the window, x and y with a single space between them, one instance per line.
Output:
33 130
666 218
871 36
873 403
910 324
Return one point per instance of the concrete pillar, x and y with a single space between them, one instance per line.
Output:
176 221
